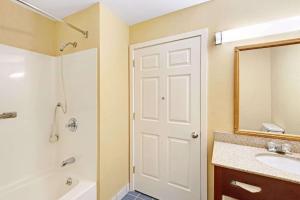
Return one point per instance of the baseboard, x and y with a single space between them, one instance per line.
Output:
124 190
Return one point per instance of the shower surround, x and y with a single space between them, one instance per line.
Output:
30 85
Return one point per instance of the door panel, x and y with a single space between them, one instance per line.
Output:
150 98
178 98
167 107
179 58
150 156
150 62
179 163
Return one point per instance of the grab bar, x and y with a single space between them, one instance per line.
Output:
8 115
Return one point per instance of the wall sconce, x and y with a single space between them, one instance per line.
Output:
259 30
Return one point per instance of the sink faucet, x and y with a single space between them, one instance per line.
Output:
279 148
68 161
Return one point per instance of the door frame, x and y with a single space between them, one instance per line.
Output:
203 33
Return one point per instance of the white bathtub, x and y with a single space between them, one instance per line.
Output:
50 186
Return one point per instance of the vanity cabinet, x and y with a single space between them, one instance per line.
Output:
246 186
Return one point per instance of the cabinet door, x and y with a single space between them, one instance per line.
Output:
270 189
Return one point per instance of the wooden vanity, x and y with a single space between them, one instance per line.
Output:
239 174
271 189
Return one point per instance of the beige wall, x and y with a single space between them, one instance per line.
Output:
218 15
87 19
285 87
255 88
22 28
114 94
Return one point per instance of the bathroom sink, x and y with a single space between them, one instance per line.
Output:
281 162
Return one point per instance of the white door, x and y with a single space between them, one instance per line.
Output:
167 122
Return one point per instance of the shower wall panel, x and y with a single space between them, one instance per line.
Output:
28 87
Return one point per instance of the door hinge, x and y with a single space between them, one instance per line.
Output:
133 169
133 63
133 116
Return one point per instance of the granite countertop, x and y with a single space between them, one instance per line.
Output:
242 158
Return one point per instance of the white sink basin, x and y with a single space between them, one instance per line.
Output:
284 163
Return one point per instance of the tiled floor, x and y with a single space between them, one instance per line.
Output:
137 196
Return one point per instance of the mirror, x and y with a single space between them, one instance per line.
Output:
267 90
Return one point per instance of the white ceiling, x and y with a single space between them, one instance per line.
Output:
131 11
134 11
62 8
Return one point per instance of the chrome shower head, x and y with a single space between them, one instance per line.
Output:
74 44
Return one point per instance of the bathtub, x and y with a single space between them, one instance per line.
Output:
50 186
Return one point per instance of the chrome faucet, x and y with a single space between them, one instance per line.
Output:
68 161
279 148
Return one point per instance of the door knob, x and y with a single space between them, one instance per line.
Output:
195 135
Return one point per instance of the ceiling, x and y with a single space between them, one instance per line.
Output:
131 11
134 11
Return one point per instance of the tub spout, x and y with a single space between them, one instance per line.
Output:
68 161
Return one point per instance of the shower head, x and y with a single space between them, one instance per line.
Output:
62 48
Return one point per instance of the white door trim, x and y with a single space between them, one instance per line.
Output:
203 33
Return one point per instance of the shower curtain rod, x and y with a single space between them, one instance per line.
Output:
24 3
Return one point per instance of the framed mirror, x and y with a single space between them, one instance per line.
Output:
267 90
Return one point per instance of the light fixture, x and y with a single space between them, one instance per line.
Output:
259 30
17 75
